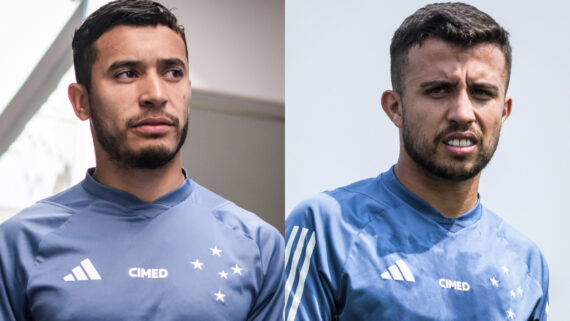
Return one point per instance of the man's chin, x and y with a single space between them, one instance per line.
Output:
148 158
454 172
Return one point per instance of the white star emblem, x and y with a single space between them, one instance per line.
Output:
223 274
510 314
216 251
237 269
519 291
219 296
494 281
513 294
505 269
197 264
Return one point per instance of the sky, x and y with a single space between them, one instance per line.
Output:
337 66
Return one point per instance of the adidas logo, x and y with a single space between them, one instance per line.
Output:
399 272
83 272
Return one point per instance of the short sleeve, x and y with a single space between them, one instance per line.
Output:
13 299
268 304
542 310
313 259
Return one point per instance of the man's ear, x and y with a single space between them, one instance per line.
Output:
79 99
507 108
392 105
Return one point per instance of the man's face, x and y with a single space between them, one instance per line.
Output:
453 107
140 95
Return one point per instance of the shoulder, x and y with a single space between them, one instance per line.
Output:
69 199
517 241
315 211
333 220
246 223
22 235
237 219
346 207
528 252
40 218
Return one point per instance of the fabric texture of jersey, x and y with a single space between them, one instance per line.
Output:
375 251
97 253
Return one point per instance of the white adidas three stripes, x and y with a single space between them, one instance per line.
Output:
399 272
83 272
308 252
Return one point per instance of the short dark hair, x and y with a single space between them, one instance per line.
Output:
109 16
457 23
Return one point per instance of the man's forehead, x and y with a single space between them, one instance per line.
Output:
126 40
435 55
434 48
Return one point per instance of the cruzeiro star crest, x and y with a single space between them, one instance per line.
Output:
499 282
213 264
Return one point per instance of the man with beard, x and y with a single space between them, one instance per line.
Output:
137 239
415 243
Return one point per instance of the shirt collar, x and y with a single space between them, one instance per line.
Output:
132 202
391 182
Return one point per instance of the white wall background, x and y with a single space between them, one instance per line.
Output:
337 65
241 158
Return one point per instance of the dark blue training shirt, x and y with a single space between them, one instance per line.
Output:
374 251
97 253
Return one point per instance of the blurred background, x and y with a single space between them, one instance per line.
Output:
235 144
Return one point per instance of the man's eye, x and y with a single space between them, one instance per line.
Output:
482 93
437 91
174 73
125 74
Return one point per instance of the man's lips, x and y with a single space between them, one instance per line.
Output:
460 143
153 126
153 121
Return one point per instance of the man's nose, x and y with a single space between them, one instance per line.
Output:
461 109
153 93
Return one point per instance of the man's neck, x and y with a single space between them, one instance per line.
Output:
146 184
450 198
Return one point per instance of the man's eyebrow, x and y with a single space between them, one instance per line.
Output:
122 64
484 86
173 62
438 83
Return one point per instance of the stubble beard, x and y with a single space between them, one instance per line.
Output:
424 153
151 157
